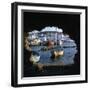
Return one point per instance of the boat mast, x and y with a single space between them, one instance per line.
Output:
57 34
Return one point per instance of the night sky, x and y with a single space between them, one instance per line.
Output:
70 23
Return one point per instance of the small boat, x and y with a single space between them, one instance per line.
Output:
57 53
35 57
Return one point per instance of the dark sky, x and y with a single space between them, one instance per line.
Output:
70 23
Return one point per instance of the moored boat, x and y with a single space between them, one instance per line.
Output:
35 57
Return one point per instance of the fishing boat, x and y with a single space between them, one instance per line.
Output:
55 54
35 57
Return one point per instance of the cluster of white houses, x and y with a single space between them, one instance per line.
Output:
54 34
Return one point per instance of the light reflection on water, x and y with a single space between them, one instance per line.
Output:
66 59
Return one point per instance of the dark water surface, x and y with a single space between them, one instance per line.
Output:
70 60
66 59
